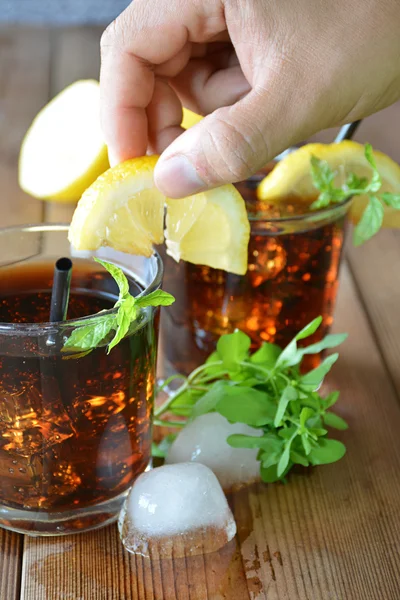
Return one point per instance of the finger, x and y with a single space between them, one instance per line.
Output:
146 36
203 87
228 145
164 115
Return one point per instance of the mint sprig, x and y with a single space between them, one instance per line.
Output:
96 330
266 390
371 221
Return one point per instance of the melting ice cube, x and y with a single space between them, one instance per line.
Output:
176 510
204 441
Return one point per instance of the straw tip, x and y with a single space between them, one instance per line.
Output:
64 264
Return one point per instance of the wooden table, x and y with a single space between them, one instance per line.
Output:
332 535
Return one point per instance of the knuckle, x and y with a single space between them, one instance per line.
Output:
109 36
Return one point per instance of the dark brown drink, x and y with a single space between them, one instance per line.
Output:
75 429
292 277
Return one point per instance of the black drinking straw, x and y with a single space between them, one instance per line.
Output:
60 290
347 131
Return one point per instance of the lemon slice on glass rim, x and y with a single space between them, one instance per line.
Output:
123 209
292 176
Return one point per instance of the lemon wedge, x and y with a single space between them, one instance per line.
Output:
63 151
210 228
292 176
189 118
123 209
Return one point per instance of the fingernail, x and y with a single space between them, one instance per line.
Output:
112 158
176 177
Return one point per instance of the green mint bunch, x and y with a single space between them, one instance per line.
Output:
371 221
90 333
265 390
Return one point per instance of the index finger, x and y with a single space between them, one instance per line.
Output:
146 38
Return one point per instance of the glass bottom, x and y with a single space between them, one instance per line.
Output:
61 523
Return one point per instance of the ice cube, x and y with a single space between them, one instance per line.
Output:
176 510
204 441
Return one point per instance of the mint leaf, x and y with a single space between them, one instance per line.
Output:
266 355
314 378
332 420
392 200
117 274
309 329
372 217
305 414
233 348
157 298
298 457
270 474
90 336
356 185
321 173
210 399
288 394
327 451
268 393
329 341
246 405
125 316
330 400
291 355
306 443
269 442
93 330
376 181
284 459
370 222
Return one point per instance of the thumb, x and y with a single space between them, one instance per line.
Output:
227 146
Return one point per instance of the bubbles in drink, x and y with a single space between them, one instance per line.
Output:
204 441
176 510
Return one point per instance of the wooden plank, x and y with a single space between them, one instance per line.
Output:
75 55
10 564
375 267
333 533
95 566
24 89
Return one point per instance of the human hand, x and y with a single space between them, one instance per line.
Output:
268 75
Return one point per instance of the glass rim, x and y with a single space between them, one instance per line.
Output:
47 326
317 215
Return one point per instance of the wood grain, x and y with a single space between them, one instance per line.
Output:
24 89
75 55
95 566
11 545
333 533
375 268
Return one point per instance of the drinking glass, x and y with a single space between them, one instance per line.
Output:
293 264
75 427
